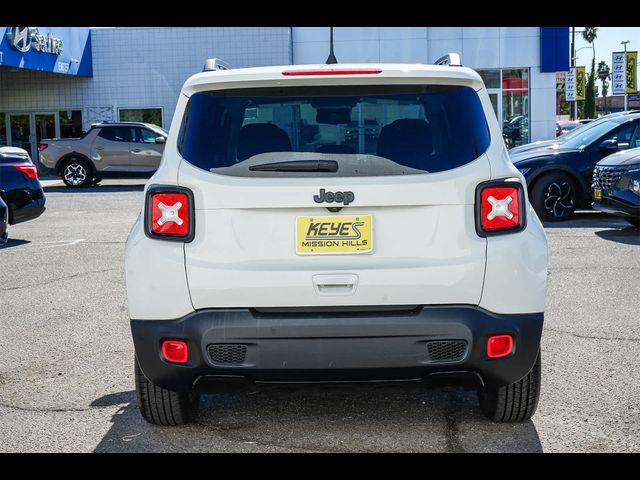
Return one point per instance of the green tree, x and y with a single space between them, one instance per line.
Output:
604 74
590 34
590 94
565 107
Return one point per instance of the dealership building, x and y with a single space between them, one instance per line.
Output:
57 81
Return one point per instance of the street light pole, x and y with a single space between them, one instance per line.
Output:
574 61
574 112
625 73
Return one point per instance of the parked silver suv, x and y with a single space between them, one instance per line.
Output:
115 150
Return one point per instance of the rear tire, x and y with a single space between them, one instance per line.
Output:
515 402
160 406
76 173
554 197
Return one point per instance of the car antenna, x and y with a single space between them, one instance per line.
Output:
332 58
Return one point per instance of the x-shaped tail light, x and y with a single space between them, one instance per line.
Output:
169 213
499 207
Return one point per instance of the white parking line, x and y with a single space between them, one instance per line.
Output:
74 242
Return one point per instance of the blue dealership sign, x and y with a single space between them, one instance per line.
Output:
65 50
554 49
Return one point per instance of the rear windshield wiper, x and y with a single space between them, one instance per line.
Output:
297 166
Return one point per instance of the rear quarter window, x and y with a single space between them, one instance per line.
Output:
345 130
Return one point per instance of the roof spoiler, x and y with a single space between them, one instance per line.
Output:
212 64
451 59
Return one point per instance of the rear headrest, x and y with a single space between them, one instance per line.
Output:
257 138
348 149
407 141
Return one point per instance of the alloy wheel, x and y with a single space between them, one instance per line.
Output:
75 174
559 199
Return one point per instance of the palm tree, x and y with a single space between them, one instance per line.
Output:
590 34
604 73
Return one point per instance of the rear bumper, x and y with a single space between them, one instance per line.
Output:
33 210
337 346
26 201
4 213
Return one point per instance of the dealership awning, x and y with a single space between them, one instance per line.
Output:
64 50
514 85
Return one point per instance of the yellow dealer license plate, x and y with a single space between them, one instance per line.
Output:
318 235
597 194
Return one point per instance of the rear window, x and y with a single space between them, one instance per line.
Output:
14 158
334 131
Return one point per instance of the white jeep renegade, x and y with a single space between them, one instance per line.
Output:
335 223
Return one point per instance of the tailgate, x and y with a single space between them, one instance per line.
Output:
425 249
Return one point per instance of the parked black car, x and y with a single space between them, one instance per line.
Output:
4 217
616 185
559 174
568 136
19 185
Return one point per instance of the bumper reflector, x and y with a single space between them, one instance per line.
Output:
499 346
175 351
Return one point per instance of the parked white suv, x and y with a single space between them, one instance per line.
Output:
272 247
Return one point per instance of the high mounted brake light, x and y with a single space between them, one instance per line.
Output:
29 169
332 71
500 208
169 213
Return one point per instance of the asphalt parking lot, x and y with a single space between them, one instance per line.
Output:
66 373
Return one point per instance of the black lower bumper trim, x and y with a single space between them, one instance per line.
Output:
618 209
26 214
337 346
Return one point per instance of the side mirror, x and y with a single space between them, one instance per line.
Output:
161 140
608 146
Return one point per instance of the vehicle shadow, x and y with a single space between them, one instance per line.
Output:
628 236
14 242
323 418
588 219
95 189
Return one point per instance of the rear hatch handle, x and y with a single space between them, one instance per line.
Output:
335 284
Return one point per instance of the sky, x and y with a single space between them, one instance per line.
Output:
607 42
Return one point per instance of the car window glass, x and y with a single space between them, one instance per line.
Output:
145 136
116 134
361 129
582 129
14 159
623 136
583 137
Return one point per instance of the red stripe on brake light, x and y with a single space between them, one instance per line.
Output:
499 208
29 169
169 213
332 71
